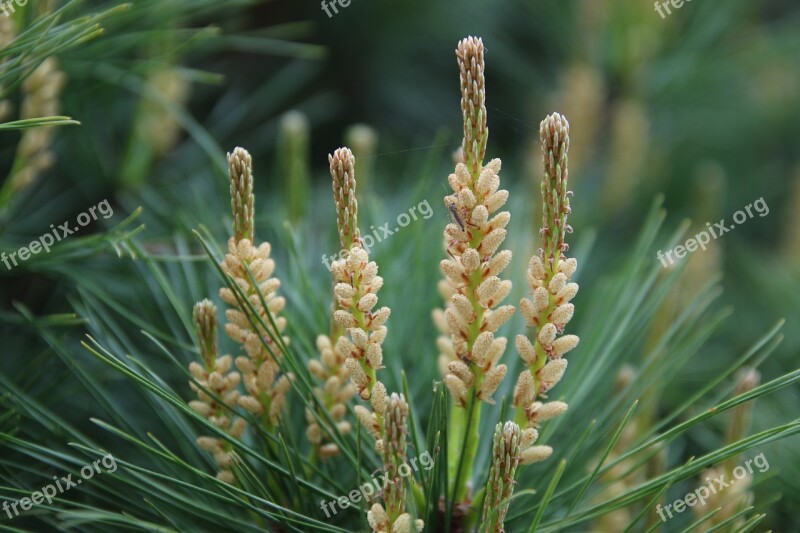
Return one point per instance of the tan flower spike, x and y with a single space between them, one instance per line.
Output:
342 165
473 242
392 516
356 285
549 309
215 375
738 496
362 323
500 486
251 269
333 396
41 93
334 367
474 289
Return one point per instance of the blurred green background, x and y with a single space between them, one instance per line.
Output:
702 107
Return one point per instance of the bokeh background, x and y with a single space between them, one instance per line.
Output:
699 110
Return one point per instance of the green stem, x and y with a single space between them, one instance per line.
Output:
466 426
470 446
466 422
456 431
